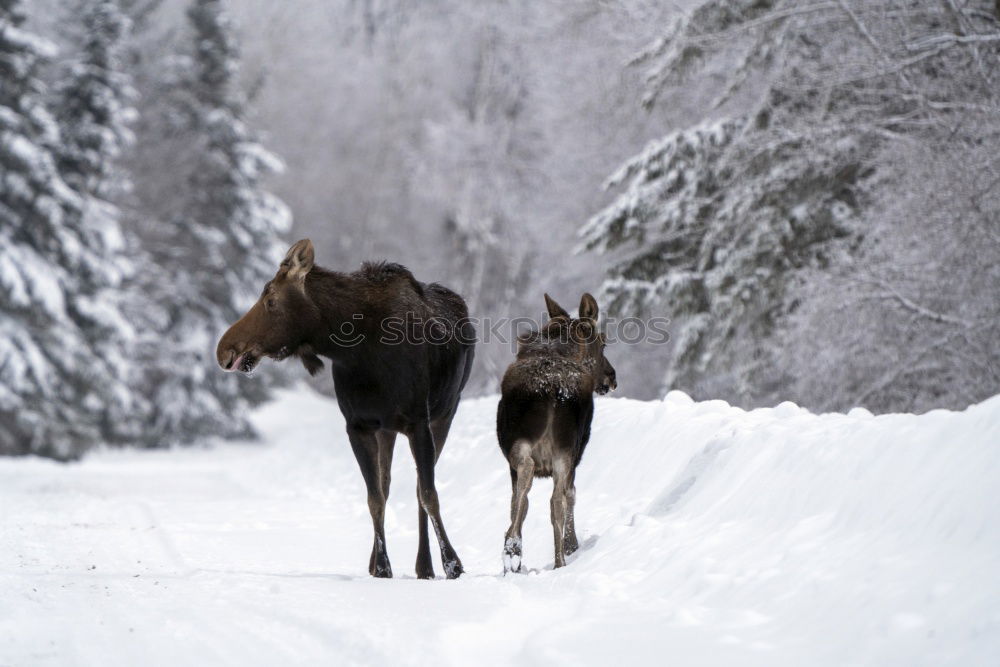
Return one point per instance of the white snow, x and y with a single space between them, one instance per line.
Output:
711 536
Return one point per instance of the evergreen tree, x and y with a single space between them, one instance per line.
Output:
94 112
94 103
219 224
718 224
59 390
229 205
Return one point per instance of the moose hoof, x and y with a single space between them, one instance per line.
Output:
511 563
512 555
425 566
383 571
453 569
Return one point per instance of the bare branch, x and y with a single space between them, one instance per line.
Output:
914 307
935 40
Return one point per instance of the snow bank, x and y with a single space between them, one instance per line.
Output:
711 535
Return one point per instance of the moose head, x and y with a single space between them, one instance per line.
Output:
582 339
281 323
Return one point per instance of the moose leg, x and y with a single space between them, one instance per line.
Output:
425 455
560 484
425 567
386 444
513 494
366 451
570 541
522 473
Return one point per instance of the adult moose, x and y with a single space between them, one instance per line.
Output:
389 378
543 420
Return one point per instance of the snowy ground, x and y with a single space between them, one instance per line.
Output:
711 536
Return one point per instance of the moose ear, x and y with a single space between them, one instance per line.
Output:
588 307
299 259
555 310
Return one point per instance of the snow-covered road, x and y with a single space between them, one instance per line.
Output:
711 536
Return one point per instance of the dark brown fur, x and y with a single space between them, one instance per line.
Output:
543 420
410 386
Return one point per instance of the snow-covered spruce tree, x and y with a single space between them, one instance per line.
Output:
718 223
215 241
93 108
60 267
94 103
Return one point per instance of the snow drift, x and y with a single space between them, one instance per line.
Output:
711 535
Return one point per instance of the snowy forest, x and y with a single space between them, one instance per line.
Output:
809 191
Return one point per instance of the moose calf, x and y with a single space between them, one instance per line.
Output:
543 420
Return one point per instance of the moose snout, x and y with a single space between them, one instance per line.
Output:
609 382
227 354
227 358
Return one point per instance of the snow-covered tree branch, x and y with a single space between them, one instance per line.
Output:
731 223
